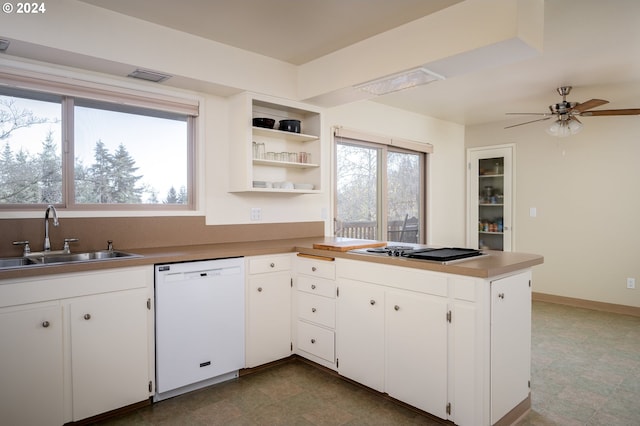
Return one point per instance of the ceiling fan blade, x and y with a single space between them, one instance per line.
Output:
631 111
528 122
528 113
591 103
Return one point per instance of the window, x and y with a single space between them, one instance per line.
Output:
83 153
380 188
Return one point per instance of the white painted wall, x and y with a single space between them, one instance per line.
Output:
445 175
89 41
585 190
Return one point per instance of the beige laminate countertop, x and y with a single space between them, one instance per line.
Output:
494 264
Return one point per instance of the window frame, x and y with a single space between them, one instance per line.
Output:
23 83
384 145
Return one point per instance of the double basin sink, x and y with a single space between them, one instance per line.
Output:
61 258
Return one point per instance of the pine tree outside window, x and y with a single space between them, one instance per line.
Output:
81 153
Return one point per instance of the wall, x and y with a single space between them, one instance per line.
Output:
585 189
89 42
446 170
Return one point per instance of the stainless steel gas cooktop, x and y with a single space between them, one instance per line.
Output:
441 255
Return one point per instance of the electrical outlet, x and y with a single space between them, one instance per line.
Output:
631 282
256 213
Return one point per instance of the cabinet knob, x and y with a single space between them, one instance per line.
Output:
313 268
313 340
45 324
372 302
313 309
259 289
87 316
273 265
313 286
397 308
501 295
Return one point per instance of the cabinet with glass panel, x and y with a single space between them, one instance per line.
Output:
490 198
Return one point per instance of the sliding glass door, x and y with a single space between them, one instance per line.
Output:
379 192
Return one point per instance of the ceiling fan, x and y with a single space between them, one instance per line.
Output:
567 113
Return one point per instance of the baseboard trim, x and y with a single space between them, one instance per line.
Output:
516 414
587 304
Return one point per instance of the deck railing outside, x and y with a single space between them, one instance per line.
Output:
405 231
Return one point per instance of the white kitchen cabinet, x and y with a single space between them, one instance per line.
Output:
490 197
510 342
466 372
108 351
301 165
457 347
315 309
31 366
74 368
360 333
394 340
416 350
268 309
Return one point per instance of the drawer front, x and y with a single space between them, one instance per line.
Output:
316 340
319 286
262 264
316 268
317 309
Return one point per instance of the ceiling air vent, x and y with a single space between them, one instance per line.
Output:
154 76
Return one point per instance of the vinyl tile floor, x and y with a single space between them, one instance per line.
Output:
585 371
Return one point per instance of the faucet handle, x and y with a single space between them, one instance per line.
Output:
66 249
27 249
110 245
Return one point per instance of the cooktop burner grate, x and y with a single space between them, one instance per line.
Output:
388 249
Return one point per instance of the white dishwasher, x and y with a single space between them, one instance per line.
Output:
199 324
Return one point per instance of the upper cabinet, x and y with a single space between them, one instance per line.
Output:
279 159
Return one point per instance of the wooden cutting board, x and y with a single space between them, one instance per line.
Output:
347 244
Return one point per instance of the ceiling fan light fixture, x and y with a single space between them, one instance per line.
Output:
563 128
400 81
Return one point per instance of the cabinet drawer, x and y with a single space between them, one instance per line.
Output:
316 268
316 340
317 309
319 286
262 264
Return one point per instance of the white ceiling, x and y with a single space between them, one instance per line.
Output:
592 45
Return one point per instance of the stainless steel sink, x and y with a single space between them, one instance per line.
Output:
80 257
53 258
10 262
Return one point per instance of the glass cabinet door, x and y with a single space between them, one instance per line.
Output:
490 198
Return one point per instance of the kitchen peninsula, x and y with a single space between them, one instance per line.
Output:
452 340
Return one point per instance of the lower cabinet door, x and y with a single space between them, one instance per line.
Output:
360 330
108 351
268 318
416 342
31 366
510 343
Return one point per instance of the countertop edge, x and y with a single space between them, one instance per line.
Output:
495 264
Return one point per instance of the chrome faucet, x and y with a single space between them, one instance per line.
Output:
47 243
